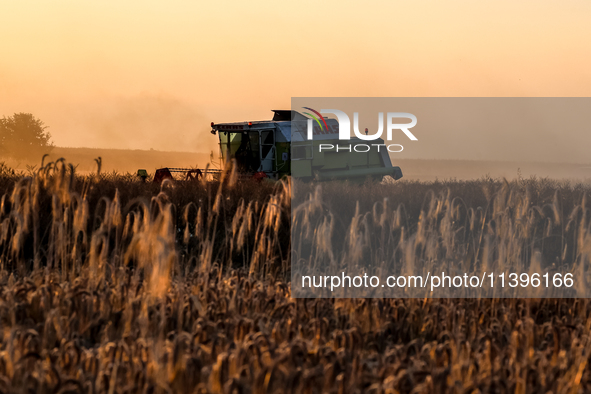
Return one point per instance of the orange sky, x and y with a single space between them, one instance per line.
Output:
153 74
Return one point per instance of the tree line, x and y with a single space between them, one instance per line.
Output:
23 136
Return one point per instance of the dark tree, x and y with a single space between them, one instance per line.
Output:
22 136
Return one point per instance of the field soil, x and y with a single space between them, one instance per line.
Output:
430 170
124 161
118 160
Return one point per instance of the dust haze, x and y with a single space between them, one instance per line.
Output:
146 121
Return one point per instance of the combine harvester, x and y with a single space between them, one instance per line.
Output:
271 149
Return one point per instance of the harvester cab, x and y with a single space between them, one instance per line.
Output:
261 147
273 149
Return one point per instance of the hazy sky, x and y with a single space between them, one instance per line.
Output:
154 74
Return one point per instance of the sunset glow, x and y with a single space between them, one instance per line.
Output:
152 74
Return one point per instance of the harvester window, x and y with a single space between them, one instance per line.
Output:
245 149
268 142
